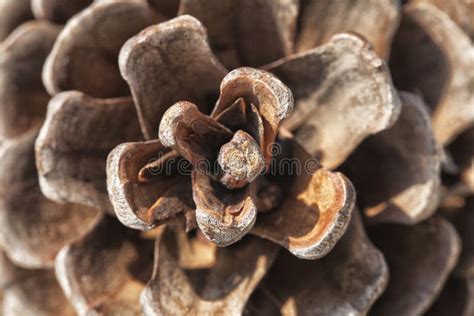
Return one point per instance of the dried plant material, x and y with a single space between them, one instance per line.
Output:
247 32
272 98
105 272
193 135
374 19
84 57
145 204
176 206
235 115
457 298
74 142
346 282
396 172
243 116
431 54
31 292
460 11
315 212
241 161
224 216
226 163
210 285
462 151
57 11
34 228
222 169
23 97
420 259
14 13
342 81
178 51
149 171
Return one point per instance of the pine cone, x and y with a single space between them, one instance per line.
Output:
242 157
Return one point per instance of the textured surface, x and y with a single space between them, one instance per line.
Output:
34 228
167 63
84 57
397 171
193 135
241 160
105 272
75 139
345 282
315 211
226 209
210 281
145 204
272 98
273 227
224 216
343 93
